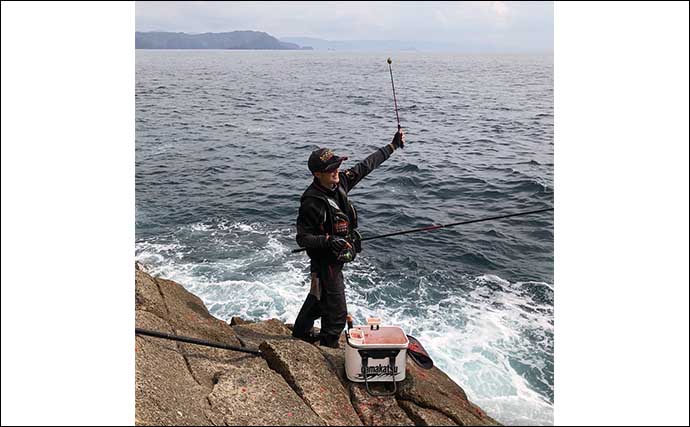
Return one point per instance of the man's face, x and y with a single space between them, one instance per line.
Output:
328 179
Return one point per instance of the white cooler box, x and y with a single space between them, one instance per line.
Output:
375 353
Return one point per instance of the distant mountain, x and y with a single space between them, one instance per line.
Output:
229 40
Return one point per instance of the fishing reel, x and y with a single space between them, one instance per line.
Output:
346 255
349 253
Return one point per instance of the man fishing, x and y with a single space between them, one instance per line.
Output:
327 228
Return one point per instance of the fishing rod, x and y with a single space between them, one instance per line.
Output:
436 227
147 332
394 98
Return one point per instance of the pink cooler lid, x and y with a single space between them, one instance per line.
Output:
384 335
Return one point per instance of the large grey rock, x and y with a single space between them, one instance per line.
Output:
304 367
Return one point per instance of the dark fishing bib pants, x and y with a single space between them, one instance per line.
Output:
326 300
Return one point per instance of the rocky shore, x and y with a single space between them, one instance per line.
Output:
290 383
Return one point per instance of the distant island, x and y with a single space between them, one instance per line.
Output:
228 40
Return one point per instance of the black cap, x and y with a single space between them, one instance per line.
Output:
323 160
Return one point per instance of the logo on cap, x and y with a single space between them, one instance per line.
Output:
326 156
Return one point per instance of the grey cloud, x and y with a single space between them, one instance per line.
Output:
527 25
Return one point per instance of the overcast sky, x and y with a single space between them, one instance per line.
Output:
524 26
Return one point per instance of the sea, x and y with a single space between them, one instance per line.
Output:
222 142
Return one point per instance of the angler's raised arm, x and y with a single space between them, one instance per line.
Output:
355 174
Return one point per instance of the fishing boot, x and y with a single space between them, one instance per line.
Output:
331 341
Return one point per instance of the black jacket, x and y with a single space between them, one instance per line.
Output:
314 222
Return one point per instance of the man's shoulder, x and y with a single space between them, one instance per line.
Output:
311 191
312 195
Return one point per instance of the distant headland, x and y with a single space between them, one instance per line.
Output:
228 40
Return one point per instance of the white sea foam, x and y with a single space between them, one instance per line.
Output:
199 227
473 338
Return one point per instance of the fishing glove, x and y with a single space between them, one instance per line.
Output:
338 244
398 140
